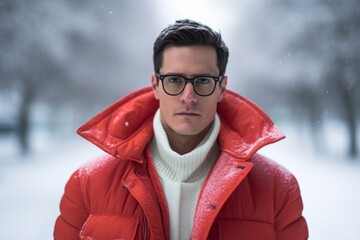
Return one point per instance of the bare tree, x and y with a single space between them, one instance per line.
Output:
72 54
26 64
314 52
335 40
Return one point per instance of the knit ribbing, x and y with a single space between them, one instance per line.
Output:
189 167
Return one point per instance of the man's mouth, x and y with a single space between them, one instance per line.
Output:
187 113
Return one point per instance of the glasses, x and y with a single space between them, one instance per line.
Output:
175 84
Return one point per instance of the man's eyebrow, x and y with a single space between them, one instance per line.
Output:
190 76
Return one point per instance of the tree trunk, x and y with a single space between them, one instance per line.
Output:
350 118
23 124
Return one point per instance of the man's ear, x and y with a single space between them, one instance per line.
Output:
154 86
223 87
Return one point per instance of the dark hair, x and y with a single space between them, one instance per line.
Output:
187 33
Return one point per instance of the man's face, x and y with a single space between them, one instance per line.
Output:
188 113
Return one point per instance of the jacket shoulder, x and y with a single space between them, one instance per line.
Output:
284 190
95 175
275 179
100 165
266 168
99 177
87 194
272 181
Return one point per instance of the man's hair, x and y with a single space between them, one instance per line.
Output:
189 33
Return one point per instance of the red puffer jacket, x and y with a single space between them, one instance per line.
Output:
119 196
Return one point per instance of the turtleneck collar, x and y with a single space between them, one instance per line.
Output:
189 167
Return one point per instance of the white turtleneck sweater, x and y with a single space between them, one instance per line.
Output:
182 176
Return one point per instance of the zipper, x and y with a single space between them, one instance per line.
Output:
145 228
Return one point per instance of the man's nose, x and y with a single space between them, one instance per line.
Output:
188 95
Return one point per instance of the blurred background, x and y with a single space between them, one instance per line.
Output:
61 62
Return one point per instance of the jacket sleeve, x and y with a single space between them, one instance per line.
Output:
289 222
73 212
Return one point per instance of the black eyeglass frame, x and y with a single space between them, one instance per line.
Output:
188 80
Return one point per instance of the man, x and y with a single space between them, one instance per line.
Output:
181 157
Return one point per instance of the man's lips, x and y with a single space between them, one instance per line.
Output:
187 113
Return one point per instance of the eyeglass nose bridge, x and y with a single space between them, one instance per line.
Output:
191 81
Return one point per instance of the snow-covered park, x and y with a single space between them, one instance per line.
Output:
31 186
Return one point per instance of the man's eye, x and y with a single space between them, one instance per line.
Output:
202 80
175 80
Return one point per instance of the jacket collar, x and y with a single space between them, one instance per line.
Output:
245 127
124 129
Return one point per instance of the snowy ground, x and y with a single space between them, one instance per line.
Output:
31 187
329 183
